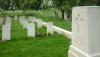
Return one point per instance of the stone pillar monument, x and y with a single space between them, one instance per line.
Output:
85 32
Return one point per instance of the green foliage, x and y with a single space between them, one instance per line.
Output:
20 4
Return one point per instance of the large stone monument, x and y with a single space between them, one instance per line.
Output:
85 32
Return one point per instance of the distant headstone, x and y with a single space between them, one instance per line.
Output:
39 23
5 32
8 22
85 32
24 22
50 28
32 19
1 21
22 19
29 19
31 30
15 18
8 18
59 14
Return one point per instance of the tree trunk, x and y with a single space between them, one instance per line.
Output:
62 11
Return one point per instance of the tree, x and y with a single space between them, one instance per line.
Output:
60 4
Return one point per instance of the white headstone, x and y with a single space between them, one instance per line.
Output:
59 14
29 18
19 18
25 22
50 28
31 30
8 18
8 22
1 21
22 19
39 23
5 32
15 18
32 19
85 32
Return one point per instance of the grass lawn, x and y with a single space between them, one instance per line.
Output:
41 46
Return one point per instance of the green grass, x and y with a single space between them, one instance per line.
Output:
41 46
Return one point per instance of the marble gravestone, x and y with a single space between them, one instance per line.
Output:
25 22
1 21
50 28
15 18
29 19
8 18
8 22
31 30
5 32
39 23
22 19
85 32
32 19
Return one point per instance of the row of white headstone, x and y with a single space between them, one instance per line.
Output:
29 24
6 28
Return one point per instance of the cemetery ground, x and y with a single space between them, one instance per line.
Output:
41 46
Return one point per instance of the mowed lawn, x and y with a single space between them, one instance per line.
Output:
41 46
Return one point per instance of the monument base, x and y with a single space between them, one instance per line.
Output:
75 52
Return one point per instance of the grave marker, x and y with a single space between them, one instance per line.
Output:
24 22
32 19
39 23
85 32
50 28
1 21
15 18
31 30
5 32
